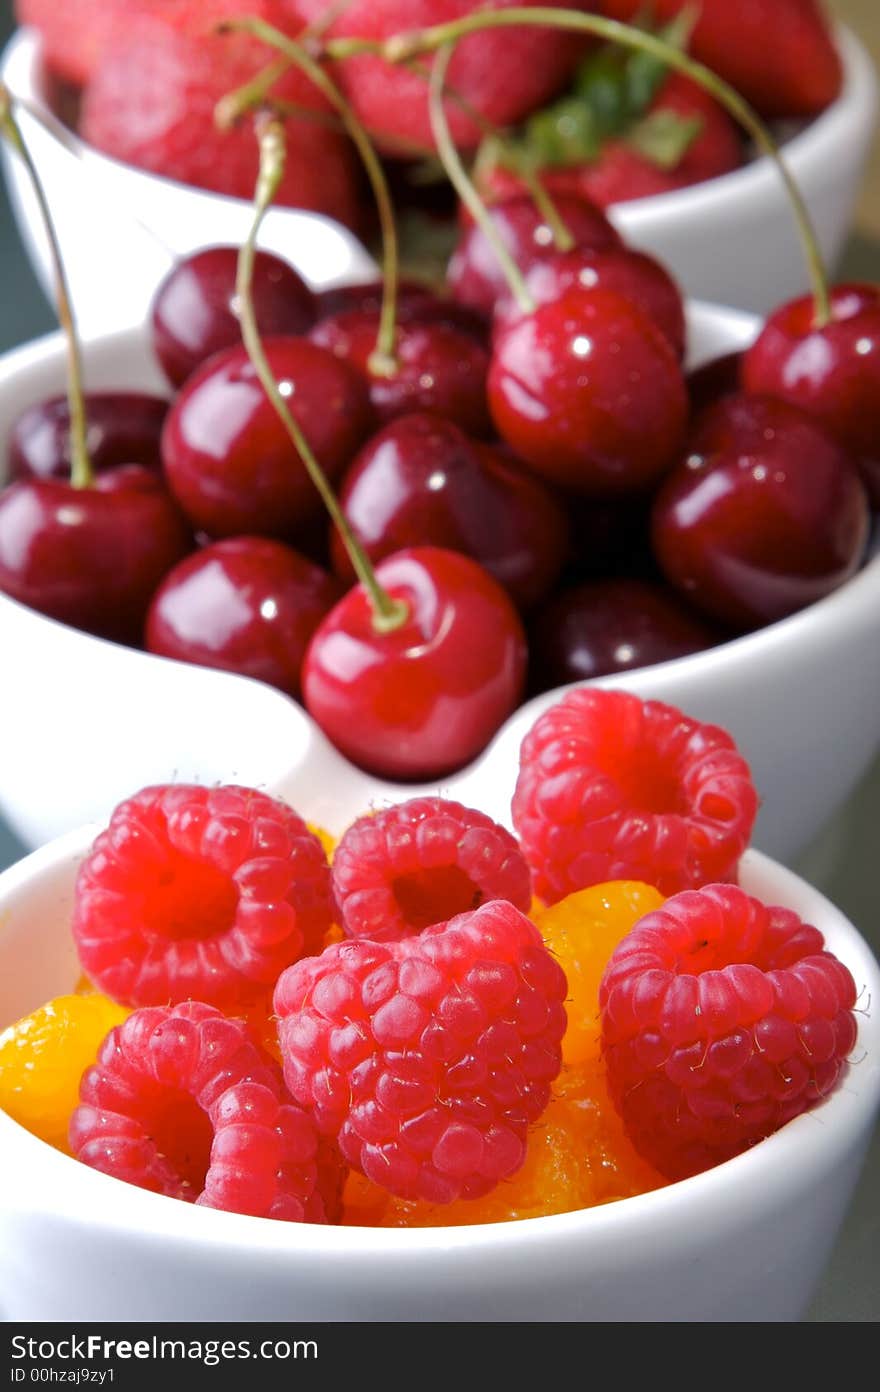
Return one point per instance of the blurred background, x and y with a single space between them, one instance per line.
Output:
843 863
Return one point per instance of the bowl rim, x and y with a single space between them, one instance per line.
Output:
808 1143
815 139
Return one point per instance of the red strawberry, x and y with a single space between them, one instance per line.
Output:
151 103
623 170
75 33
503 73
778 53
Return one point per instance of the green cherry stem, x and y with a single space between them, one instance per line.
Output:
460 180
401 48
383 360
81 473
388 613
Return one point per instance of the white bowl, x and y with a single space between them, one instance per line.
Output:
83 721
731 240
747 1241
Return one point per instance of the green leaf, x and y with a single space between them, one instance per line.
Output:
664 137
566 133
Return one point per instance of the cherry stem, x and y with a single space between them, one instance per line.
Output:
388 613
401 48
81 472
463 185
383 360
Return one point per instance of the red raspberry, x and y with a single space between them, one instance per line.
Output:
182 1102
721 1020
429 1057
420 863
202 892
614 788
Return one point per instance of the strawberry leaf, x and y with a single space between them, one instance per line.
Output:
664 137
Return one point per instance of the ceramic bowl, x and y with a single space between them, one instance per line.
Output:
746 1241
731 240
83 721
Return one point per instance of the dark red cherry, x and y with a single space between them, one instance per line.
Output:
194 315
422 482
426 698
632 274
416 304
608 626
832 372
123 428
588 392
91 557
247 605
439 368
474 272
765 514
714 379
228 458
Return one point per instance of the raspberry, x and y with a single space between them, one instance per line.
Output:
43 1057
182 1102
581 931
422 862
202 892
722 1019
577 1156
428 1058
614 788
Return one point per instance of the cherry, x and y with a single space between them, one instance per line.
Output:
245 605
764 515
228 458
424 698
632 274
194 313
416 304
714 379
438 368
588 392
422 481
830 370
607 626
475 274
91 557
123 428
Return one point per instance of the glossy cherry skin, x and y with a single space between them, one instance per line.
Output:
632 274
588 391
765 513
474 273
831 372
123 428
439 368
422 482
247 605
227 456
416 304
714 379
193 312
607 626
91 557
425 699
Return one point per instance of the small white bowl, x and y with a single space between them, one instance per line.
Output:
731 240
746 1241
83 721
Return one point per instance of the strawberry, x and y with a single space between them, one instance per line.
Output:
504 74
76 33
628 128
151 103
778 53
